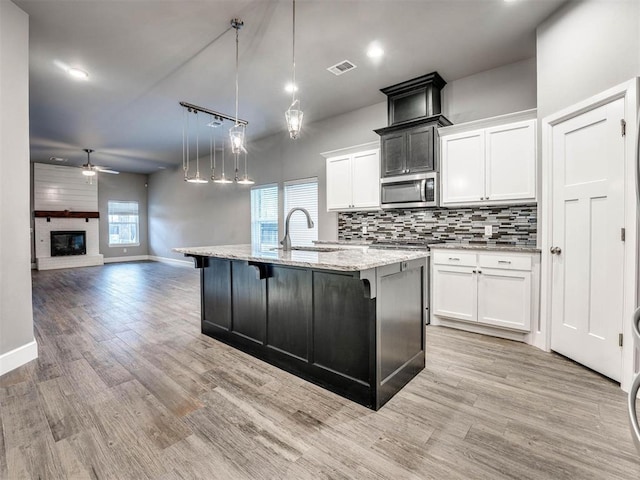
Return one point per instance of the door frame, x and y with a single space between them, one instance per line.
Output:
542 334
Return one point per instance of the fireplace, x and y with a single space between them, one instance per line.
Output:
67 242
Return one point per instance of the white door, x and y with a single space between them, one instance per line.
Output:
366 179
339 182
510 168
588 214
463 168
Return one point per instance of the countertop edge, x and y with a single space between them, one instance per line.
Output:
403 256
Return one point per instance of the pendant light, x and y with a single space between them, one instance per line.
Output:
294 114
236 133
245 180
197 178
223 178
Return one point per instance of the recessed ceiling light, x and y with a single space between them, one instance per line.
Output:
375 51
77 73
290 88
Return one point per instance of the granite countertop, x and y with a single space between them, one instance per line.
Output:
485 247
348 259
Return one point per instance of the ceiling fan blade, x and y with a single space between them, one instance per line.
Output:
106 170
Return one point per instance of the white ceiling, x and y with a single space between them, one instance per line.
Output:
145 56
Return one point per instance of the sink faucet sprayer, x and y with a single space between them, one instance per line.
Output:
286 241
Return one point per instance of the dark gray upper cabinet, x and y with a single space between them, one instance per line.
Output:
410 148
409 144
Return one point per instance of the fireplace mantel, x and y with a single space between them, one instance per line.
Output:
64 214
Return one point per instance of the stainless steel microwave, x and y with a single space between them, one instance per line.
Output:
410 191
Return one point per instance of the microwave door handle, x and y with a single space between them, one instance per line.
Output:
423 190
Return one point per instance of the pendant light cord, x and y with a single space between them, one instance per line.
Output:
237 63
293 55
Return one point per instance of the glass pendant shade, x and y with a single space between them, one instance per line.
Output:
245 180
223 179
236 135
294 119
197 179
89 173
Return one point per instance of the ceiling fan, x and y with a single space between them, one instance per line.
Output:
90 170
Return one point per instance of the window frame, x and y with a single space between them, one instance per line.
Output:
253 221
110 223
316 220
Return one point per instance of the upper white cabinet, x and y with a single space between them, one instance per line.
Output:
353 178
491 165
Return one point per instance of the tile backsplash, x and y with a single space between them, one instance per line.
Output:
512 225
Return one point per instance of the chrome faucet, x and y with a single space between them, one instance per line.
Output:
286 241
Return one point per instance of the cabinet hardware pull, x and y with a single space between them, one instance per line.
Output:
473 271
504 261
479 271
454 258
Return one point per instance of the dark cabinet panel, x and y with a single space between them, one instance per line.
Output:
249 294
290 310
216 294
408 106
393 154
420 149
343 320
400 318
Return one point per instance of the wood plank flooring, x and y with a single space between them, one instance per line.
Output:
125 387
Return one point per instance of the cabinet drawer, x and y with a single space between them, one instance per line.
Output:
454 258
507 262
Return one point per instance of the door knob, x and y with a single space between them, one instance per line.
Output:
556 250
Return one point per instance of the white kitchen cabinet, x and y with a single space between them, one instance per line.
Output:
487 166
487 288
353 179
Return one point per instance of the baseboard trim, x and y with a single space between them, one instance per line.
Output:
172 261
131 258
18 357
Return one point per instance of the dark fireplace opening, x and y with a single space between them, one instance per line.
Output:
68 243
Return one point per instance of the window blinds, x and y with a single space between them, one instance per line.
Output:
264 216
302 193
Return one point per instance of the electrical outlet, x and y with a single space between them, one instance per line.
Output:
364 229
124 250
488 230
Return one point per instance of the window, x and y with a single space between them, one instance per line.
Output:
123 223
264 216
302 193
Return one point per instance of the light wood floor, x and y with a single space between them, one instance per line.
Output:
126 387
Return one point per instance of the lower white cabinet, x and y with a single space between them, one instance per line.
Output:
486 288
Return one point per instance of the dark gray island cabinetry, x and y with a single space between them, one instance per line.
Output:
351 321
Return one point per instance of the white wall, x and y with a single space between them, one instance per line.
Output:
183 214
506 89
17 343
586 48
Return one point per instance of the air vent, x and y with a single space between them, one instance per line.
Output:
342 67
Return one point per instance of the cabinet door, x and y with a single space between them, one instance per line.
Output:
393 154
510 162
420 156
463 168
339 182
504 298
365 169
455 293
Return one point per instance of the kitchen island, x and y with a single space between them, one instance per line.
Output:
349 320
